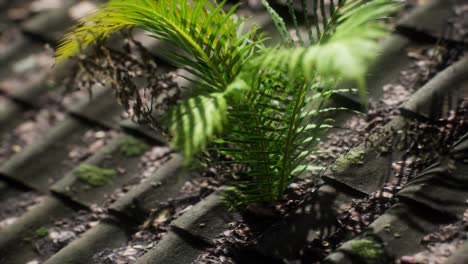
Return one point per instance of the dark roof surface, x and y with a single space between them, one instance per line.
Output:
52 212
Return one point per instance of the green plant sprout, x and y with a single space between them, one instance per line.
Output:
262 106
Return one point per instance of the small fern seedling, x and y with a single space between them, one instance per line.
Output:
262 106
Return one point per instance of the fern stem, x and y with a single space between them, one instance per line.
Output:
333 17
324 14
316 22
305 14
285 161
292 13
332 7
264 155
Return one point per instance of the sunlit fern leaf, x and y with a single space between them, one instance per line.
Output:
348 49
214 51
196 121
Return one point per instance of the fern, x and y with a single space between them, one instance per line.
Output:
214 50
281 118
262 106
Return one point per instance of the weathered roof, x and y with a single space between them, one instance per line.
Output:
45 167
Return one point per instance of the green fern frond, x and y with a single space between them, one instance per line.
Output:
280 25
195 122
214 51
346 52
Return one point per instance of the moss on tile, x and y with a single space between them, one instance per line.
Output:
51 85
94 176
366 249
132 147
353 157
41 232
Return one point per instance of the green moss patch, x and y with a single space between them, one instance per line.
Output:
351 158
132 147
366 249
41 232
94 176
